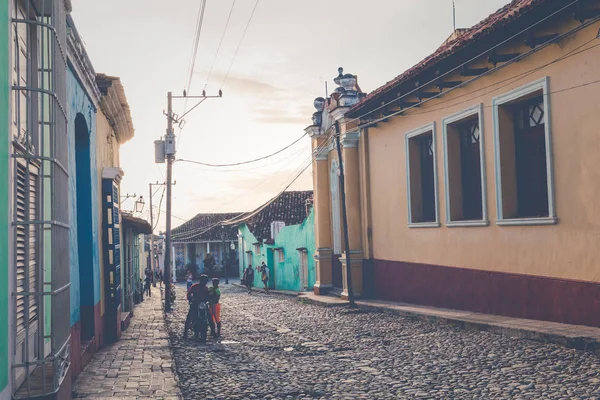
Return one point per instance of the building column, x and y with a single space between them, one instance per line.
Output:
322 206
349 141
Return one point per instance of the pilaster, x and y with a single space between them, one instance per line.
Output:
323 271
356 266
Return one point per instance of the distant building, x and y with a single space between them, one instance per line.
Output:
203 235
280 233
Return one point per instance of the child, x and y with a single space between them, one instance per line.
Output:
215 306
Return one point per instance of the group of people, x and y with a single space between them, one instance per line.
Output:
248 278
150 280
198 293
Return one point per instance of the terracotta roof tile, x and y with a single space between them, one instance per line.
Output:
290 208
492 23
193 230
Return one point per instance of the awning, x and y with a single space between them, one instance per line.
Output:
136 224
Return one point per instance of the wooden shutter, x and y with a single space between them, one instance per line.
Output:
26 243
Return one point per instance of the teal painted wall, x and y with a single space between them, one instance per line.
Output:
284 275
4 196
79 102
248 239
290 238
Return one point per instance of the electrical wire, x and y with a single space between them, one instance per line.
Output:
508 81
220 44
243 162
366 124
437 78
159 204
246 215
195 44
293 157
239 44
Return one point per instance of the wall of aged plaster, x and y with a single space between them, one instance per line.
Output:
284 275
248 239
563 251
4 201
287 274
79 102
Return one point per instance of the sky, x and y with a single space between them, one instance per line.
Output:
291 49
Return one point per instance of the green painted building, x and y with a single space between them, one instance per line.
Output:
4 197
282 236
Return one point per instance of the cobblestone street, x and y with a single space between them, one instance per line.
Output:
136 367
275 347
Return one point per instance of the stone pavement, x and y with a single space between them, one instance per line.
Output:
275 347
574 336
138 366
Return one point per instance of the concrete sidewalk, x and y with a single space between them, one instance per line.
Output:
139 366
573 336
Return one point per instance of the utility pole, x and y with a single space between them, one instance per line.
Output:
151 233
152 254
167 149
225 255
170 153
345 220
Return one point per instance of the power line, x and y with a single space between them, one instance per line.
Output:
195 44
509 81
292 157
302 168
473 79
220 44
240 43
159 204
437 78
243 162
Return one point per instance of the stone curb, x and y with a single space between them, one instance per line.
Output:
279 292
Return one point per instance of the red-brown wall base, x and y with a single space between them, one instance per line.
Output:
82 353
514 295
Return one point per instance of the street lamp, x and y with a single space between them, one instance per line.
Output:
139 204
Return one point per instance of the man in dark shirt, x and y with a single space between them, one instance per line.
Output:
197 293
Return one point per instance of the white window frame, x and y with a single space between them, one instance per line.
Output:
410 135
461 115
256 248
303 265
280 255
544 85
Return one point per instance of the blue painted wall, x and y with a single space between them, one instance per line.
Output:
284 275
79 102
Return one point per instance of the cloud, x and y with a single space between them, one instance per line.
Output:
270 104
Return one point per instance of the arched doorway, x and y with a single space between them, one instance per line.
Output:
336 224
84 227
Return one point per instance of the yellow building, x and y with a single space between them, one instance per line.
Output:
472 178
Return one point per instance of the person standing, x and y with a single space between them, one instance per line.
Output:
160 277
148 283
215 307
248 278
264 276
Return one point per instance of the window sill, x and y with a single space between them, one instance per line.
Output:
527 221
425 225
456 224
